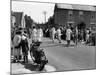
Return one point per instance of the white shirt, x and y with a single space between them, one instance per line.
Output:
39 34
68 33
34 34
58 32
53 31
23 37
87 31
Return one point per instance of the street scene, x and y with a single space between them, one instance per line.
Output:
52 37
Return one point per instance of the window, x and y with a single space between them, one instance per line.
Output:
13 20
92 17
70 14
80 12
81 15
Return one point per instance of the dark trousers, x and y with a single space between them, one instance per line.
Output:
25 57
68 42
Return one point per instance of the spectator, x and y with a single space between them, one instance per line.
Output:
68 34
59 35
53 34
87 36
17 46
47 33
34 34
39 34
25 48
76 34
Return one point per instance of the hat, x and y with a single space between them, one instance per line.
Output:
24 34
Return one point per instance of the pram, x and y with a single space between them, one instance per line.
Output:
38 55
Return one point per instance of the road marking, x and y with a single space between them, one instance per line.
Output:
50 68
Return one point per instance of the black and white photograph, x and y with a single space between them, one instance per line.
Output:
52 37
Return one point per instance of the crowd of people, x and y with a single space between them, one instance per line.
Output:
71 34
37 34
21 46
20 43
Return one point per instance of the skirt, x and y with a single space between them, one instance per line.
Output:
16 51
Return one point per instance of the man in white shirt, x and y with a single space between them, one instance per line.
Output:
87 35
53 34
39 34
34 34
59 35
68 35
25 47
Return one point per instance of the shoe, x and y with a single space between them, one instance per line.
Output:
59 42
18 61
14 61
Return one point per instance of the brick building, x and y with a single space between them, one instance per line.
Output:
74 14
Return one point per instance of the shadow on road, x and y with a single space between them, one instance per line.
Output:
49 46
61 45
48 42
31 66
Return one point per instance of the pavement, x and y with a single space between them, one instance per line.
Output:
61 58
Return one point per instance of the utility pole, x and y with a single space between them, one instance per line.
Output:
45 15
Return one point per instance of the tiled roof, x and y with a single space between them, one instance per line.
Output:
76 7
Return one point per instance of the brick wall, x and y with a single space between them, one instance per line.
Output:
61 17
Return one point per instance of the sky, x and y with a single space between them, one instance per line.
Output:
36 9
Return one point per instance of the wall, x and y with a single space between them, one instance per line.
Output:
61 17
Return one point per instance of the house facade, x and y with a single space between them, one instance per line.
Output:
17 19
73 15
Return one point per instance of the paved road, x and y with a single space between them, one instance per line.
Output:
69 58
61 58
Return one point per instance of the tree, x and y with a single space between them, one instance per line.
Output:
51 21
81 26
28 22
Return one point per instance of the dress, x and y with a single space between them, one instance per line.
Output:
16 45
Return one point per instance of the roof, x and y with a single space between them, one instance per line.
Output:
18 16
76 7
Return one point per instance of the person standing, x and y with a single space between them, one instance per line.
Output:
39 34
87 36
25 48
17 46
68 35
76 34
34 34
53 34
47 33
59 35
